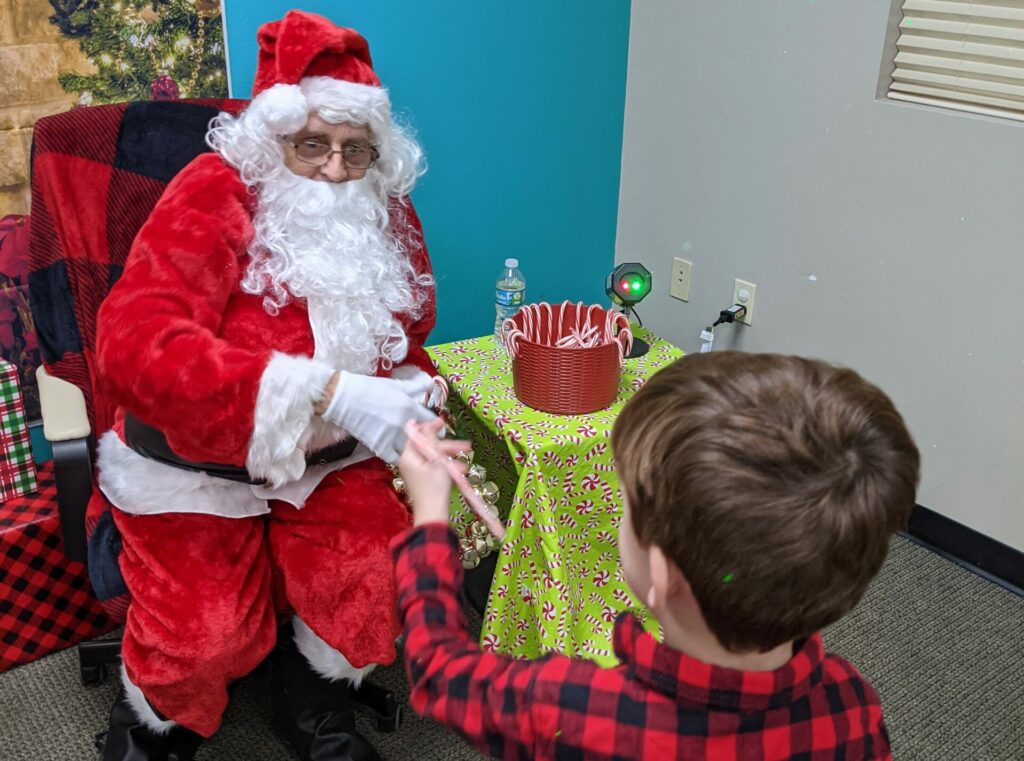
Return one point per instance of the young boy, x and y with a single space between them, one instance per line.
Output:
760 492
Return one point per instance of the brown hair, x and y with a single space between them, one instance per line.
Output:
772 482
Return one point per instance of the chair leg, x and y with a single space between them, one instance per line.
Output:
93 658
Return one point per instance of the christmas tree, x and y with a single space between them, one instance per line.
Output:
144 49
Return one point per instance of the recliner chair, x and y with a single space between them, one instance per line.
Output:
96 174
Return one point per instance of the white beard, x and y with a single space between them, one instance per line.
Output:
328 243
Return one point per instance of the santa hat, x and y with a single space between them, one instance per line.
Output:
302 46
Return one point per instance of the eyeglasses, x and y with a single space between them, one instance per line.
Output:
357 156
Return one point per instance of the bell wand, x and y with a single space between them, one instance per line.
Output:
429 452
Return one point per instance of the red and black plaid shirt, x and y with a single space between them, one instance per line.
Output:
658 704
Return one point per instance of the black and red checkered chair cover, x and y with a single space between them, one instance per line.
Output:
96 175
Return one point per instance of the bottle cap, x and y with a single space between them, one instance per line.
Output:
511 263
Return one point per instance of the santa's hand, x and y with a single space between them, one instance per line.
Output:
375 411
437 393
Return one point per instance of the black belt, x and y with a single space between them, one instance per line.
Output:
152 444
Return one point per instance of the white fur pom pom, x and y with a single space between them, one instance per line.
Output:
283 108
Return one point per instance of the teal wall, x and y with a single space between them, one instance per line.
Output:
41 450
519 107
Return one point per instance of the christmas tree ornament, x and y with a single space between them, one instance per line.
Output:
164 88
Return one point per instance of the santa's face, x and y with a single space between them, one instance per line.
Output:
305 149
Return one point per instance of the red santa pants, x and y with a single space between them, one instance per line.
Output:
205 590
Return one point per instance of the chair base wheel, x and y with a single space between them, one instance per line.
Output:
94 656
92 675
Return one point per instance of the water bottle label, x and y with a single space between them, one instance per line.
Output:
509 298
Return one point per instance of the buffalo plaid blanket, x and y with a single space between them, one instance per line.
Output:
96 175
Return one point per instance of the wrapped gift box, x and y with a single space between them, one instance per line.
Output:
46 602
17 468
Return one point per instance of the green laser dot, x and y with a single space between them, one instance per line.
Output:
727 578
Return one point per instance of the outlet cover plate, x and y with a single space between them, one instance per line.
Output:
737 298
682 277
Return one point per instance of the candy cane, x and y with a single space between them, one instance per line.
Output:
442 386
512 334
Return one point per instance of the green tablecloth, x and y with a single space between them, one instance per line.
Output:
557 585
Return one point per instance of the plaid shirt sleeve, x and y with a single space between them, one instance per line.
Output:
483 696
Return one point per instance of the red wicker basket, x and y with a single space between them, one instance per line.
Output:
566 359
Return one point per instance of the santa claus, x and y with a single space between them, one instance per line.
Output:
265 347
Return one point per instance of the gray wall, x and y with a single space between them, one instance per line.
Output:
883 236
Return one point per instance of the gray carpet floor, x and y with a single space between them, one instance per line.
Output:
943 647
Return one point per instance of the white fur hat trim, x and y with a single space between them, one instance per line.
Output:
283 107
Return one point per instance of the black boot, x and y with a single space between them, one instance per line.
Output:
128 739
313 714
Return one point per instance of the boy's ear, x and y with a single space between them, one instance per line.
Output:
667 581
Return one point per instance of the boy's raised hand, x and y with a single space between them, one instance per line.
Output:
427 482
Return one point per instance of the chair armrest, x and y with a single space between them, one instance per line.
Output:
63 408
66 427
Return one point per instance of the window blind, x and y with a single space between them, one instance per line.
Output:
962 55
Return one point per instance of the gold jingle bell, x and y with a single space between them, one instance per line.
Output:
489 491
477 474
476 528
399 484
493 542
480 545
465 457
470 558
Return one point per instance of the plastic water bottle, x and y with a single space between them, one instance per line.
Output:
509 294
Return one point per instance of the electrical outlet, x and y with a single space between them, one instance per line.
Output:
743 293
682 276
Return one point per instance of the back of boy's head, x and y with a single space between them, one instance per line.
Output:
772 482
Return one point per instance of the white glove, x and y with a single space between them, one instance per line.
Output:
375 410
438 388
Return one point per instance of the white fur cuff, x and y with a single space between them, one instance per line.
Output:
325 660
284 410
141 707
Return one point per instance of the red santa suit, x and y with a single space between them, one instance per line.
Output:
211 562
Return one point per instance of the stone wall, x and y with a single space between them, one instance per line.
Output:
32 52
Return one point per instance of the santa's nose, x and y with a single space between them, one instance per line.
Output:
334 170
